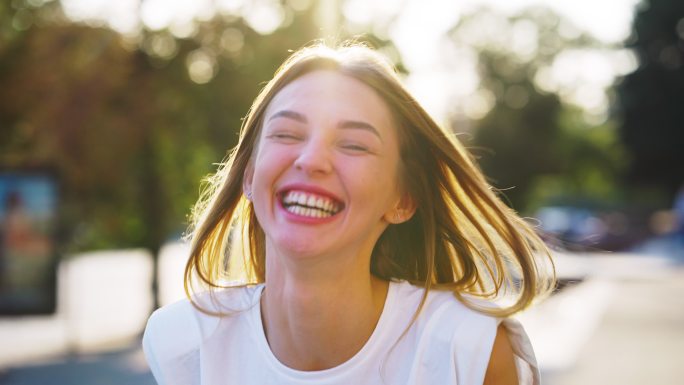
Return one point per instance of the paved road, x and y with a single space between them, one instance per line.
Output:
123 367
640 338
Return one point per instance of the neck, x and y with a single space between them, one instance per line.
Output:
306 312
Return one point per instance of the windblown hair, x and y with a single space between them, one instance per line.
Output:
462 237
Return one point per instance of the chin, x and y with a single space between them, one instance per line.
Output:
300 247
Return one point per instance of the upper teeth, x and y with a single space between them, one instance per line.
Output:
310 200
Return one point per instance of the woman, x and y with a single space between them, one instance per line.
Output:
372 245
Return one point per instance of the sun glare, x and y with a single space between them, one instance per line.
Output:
438 71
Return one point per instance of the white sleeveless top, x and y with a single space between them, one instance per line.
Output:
447 344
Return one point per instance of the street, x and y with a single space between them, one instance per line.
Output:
622 323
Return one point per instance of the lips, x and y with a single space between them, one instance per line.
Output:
310 204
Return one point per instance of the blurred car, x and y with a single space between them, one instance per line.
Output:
584 228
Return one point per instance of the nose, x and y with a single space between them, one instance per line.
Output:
314 158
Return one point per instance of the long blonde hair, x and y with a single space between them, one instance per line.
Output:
462 237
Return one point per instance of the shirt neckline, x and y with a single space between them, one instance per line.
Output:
371 346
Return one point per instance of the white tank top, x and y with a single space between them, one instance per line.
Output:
447 344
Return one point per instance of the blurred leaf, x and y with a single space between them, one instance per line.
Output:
124 119
651 98
532 145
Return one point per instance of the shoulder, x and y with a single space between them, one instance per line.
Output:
175 332
195 324
442 308
163 330
475 341
485 347
171 343
446 321
501 368
470 331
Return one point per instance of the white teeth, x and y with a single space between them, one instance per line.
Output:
309 204
308 212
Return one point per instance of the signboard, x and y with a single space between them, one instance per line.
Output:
28 224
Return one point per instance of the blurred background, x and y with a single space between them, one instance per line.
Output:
112 112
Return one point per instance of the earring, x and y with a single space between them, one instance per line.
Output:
397 217
249 195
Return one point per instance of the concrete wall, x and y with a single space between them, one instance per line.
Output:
104 299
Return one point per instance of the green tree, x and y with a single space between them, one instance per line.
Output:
533 145
651 97
127 127
131 124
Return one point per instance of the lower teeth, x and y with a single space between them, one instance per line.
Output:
308 212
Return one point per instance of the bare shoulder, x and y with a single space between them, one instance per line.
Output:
501 369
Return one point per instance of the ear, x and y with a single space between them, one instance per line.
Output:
402 211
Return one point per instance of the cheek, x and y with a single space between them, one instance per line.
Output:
269 166
269 161
378 183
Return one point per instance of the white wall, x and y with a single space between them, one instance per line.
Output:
172 259
104 299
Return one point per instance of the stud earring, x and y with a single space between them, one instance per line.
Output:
397 217
249 195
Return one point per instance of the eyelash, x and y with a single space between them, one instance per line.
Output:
281 136
355 147
287 136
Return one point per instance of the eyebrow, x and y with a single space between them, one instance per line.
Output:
290 115
345 124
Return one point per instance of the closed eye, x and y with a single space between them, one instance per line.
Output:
282 136
355 148
286 137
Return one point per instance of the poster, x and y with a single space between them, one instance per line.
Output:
28 220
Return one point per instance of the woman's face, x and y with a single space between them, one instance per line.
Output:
324 180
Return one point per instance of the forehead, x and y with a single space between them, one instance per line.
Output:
330 93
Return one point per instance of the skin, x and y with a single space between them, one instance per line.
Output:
501 369
332 134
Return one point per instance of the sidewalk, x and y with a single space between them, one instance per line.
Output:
640 338
623 324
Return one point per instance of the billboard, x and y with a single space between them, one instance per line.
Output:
28 258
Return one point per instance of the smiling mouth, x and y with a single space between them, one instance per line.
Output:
311 205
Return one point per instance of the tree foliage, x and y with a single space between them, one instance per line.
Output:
652 97
535 147
128 131
131 123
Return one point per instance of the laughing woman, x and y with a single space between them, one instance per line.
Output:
372 248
